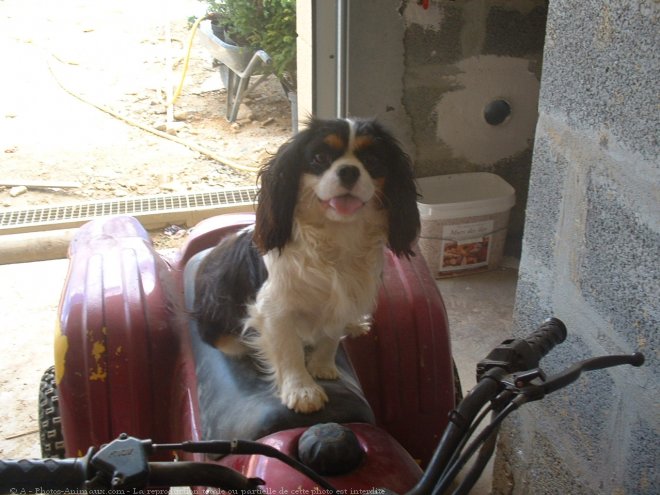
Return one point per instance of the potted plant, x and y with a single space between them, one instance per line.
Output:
268 25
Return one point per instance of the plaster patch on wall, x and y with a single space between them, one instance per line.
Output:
480 80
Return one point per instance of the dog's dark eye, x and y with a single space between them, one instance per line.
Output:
374 165
320 162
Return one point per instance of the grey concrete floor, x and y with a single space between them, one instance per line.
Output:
480 311
479 308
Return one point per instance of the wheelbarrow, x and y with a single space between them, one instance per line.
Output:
237 65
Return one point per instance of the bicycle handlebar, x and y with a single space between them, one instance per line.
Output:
549 334
573 373
65 475
523 354
510 356
122 465
53 474
507 378
201 474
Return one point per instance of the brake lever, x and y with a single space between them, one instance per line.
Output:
533 384
571 374
527 385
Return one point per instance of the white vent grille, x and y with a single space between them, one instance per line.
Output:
152 211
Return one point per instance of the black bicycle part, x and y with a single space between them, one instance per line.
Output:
510 356
486 451
507 378
452 470
522 388
474 473
122 463
571 374
247 447
522 395
460 420
190 474
29 475
524 354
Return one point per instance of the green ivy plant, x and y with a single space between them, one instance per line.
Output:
268 25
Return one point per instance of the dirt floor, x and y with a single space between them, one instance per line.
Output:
67 66
63 60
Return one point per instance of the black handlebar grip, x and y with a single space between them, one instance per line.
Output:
514 355
42 475
550 333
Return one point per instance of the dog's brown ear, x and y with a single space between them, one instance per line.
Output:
401 196
278 195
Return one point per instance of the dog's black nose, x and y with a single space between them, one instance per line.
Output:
348 175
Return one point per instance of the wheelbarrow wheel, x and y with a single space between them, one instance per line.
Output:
50 424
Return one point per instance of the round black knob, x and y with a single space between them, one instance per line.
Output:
330 449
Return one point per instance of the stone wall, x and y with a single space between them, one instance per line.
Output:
590 254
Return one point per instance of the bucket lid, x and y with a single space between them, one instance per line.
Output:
464 195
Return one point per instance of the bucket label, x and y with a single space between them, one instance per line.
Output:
465 246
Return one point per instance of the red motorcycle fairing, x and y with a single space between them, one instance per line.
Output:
125 362
115 340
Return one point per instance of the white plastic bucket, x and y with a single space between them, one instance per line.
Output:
464 221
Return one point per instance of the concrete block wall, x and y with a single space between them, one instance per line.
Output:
590 254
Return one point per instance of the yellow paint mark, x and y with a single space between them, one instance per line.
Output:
61 347
118 351
98 350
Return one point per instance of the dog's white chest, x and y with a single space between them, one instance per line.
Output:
327 295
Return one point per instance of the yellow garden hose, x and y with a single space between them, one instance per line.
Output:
186 60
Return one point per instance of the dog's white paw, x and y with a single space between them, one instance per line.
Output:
358 329
305 398
322 371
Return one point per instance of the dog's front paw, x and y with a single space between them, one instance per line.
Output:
358 329
304 398
323 372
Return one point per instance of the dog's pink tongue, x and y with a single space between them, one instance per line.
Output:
346 204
